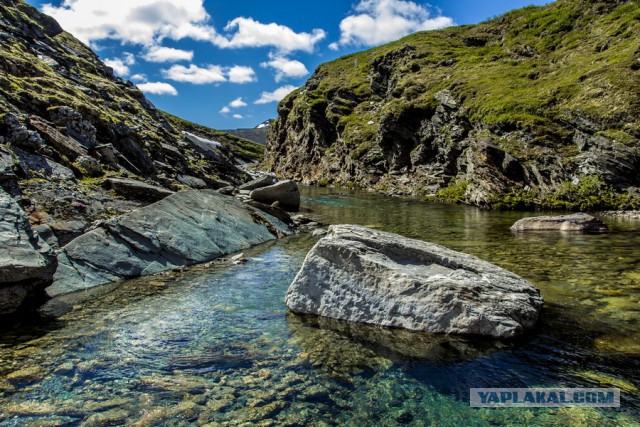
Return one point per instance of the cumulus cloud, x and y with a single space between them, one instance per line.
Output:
210 74
142 78
237 103
194 74
158 88
240 74
247 32
133 21
238 116
275 96
382 21
285 67
148 22
167 54
121 65
225 110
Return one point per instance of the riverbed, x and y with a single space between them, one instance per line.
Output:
213 344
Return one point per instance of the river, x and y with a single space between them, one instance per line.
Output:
213 344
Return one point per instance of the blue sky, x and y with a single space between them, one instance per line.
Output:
225 64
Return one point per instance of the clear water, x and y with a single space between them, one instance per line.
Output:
214 344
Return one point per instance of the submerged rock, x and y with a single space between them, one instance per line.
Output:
362 275
574 222
186 228
285 192
27 263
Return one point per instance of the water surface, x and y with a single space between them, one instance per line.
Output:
214 344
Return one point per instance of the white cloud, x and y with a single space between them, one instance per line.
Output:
238 116
382 21
240 74
142 78
275 96
148 22
121 65
285 67
194 74
158 88
133 21
251 33
237 103
167 54
225 110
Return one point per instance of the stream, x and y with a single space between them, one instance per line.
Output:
214 344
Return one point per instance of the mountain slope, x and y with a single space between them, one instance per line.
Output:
67 123
539 107
257 134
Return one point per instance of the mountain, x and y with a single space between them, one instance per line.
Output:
538 108
258 134
69 128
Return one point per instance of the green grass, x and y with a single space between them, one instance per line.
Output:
543 72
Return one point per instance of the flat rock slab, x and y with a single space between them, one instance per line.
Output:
136 190
186 228
362 275
579 222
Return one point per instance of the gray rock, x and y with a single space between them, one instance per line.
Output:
186 228
228 190
285 192
362 275
273 211
27 263
36 166
46 233
263 181
192 181
89 166
580 222
66 231
132 189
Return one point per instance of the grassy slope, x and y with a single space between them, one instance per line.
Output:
539 67
36 87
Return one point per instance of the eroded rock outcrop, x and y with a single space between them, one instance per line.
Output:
186 228
27 263
362 275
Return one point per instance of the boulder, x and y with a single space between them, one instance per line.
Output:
192 181
276 212
66 231
580 222
362 275
285 192
136 190
263 181
89 167
27 263
36 166
186 228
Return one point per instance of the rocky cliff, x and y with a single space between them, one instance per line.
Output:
536 108
79 145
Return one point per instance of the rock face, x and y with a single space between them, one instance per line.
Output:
285 192
186 228
362 275
396 120
580 222
27 263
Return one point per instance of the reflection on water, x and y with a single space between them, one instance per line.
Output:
214 344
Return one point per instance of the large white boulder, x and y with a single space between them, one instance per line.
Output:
358 274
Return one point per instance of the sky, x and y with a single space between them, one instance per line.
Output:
226 64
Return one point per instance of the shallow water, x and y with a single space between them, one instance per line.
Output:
214 344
